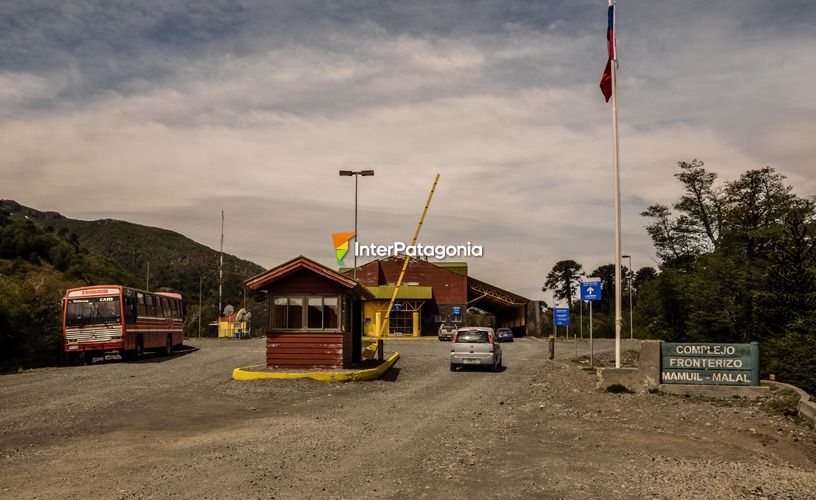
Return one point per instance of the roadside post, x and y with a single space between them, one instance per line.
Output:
591 291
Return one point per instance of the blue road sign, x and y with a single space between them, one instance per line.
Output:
590 290
397 307
562 316
457 310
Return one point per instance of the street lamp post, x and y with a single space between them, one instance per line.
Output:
349 173
631 328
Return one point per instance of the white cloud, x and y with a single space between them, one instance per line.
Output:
508 111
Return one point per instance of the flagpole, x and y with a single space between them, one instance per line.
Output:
616 155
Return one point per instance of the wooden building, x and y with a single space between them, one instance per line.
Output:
433 293
314 315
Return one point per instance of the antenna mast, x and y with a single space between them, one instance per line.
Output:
221 265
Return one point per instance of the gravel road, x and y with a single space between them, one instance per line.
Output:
180 427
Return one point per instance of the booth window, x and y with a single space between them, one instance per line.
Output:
294 313
305 313
315 313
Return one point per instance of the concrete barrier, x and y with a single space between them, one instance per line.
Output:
716 391
806 407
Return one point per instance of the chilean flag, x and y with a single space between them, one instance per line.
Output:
606 79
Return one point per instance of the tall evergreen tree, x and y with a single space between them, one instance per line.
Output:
563 280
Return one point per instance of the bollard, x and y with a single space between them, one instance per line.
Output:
552 346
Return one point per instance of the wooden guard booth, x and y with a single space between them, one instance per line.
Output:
315 315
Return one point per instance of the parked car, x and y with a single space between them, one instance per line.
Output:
504 335
475 345
446 331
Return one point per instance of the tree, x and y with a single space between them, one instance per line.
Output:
643 276
788 296
563 280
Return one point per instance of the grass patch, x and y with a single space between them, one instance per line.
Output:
783 401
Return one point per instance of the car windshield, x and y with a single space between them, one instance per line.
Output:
471 336
448 326
503 330
93 311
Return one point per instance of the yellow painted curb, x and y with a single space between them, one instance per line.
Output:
369 374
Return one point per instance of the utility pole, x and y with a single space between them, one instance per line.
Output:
221 265
631 324
349 173
148 277
199 305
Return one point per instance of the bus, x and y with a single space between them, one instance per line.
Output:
102 318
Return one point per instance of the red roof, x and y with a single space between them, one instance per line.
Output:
260 281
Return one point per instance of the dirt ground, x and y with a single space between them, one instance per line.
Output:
180 427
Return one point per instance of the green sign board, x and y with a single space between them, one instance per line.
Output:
712 364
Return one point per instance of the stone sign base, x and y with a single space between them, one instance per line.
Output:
647 377
716 391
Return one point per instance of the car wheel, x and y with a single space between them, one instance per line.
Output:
453 367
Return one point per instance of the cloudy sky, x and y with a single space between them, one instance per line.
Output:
166 112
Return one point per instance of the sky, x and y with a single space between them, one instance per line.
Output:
166 112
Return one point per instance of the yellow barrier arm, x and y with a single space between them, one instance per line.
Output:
378 345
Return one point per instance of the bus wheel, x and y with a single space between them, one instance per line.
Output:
139 352
88 357
169 349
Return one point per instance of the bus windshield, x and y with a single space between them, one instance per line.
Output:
92 311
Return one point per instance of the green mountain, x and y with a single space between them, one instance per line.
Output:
176 262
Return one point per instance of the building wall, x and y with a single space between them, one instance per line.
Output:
308 350
372 307
228 329
448 287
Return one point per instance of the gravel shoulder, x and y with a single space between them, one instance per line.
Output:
180 427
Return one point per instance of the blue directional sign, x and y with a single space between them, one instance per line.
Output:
562 316
457 310
397 307
590 290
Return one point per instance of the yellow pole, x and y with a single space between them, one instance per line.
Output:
415 322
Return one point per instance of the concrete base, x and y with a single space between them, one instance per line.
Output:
627 377
646 376
716 391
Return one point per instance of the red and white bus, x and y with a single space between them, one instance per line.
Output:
104 318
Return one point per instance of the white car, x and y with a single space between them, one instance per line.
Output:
475 345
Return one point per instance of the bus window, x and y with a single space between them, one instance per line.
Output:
130 310
175 306
141 309
166 307
149 307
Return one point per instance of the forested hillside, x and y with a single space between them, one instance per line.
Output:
43 253
37 265
176 261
